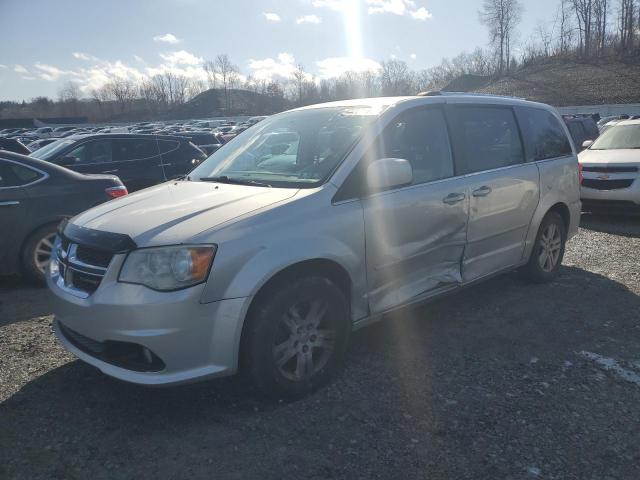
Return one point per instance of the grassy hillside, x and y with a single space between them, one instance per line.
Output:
565 83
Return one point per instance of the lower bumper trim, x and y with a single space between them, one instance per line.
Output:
120 354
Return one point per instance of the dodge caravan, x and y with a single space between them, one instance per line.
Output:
307 226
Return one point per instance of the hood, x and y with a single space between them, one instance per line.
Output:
172 213
614 157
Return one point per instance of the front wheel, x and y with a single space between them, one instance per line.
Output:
548 251
296 337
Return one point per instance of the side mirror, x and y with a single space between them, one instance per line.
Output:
388 173
66 161
587 143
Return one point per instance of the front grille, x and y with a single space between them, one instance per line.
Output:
121 354
93 256
82 268
609 169
607 184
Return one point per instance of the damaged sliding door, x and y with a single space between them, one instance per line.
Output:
416 235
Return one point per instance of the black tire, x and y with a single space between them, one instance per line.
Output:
534 271
30 268
270 325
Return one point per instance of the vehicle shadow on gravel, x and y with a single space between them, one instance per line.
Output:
483 384
624 226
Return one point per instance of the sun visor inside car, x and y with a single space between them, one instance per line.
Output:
98 239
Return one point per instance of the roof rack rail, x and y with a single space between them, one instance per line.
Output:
437 93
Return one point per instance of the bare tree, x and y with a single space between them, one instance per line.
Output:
228 74
212 73
124 91
501 17
70 91
395 78
627 25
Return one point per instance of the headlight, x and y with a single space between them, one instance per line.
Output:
168 268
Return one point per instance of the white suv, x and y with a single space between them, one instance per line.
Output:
310 224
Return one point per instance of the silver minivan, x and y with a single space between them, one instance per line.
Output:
311 224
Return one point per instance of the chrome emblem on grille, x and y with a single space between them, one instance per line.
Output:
604 177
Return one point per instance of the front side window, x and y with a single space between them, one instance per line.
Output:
485 138
93 152
545 137
14 175
419 136
619 137
294 149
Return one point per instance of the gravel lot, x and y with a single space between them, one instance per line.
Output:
504 380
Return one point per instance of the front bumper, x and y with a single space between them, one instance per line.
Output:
192 340
630 194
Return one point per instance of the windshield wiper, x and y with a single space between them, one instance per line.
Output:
237 181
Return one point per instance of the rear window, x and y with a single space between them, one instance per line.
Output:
485 138
544 135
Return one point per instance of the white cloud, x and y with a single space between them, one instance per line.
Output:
181 57
413 56
138 59
272 17
269 68
50 73
167 38
336 66
338 5
308 19
20 69
83 56
2 65
421 14
28 77
398 7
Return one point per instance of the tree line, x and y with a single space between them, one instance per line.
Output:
582 29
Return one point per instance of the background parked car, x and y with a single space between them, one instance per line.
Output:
34 197
581 130
13 145
139 160
611 170
35 145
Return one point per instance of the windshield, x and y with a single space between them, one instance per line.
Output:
295 149
49 151
618 137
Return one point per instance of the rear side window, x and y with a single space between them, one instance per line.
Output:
544 135
14 175
134 149
577 132
485 138
168 145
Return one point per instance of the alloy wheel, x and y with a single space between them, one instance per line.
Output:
305 340
549 247
42 252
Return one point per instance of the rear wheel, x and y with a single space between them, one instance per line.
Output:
296 337
548 250
37 252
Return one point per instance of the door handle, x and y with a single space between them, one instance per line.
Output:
453 198
9 203
482 191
